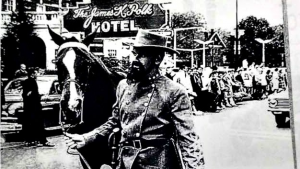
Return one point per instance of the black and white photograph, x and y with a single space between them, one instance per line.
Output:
149 84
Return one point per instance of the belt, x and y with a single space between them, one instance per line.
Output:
142 144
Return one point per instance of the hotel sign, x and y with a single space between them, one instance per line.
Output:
120 20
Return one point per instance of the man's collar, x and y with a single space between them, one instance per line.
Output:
146 81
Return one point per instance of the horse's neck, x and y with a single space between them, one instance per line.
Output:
112 76
104 67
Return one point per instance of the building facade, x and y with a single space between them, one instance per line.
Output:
115 32
41 18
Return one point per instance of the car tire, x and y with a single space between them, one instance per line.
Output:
280 120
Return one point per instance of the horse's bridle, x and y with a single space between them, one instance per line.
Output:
84 48
81 98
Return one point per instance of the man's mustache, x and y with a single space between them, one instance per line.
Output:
136 71
136 65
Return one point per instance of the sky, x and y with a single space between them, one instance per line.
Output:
222 13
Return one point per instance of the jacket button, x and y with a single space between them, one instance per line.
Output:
146 104
137 135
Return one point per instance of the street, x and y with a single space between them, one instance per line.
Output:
241 137
245 137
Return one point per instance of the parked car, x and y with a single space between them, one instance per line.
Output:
13 107
279 105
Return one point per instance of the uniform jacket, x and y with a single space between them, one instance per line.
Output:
153 110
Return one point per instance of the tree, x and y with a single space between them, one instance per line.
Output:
16 42
276 47
185 39
188 19
254 28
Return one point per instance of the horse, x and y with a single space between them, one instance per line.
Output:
88 94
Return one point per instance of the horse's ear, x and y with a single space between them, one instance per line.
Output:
89 38
55 37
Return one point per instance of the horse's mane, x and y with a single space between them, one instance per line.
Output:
116 77
96 61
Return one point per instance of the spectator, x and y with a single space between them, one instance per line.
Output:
33 122
216 90
21 72
229 102
224 90
254 73
248 81
183 78
260 83
200 74
197 87
269 77
236 85
281 80
275 81
239 77
41 71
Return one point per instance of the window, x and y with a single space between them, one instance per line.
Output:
112 52
15 87
8 5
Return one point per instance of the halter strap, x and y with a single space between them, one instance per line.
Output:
73 44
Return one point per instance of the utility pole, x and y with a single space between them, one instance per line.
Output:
60 16
237 30
175 47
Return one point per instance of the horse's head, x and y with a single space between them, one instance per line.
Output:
73 61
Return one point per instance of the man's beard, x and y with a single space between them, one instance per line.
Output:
136 72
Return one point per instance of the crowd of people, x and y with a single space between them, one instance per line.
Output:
216 88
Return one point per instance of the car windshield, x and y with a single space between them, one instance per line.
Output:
44 85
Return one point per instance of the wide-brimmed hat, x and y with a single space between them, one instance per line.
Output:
146 39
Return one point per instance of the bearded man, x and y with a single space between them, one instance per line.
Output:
153 113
